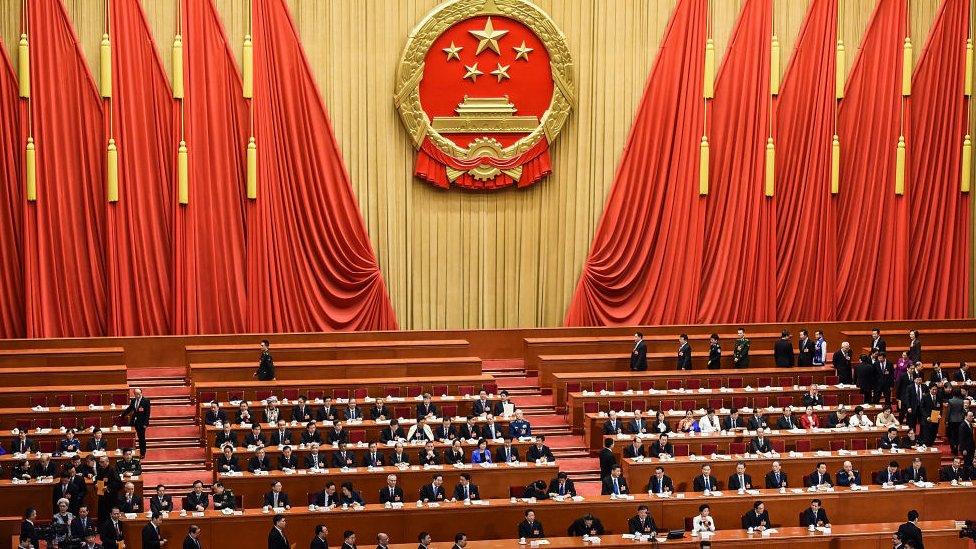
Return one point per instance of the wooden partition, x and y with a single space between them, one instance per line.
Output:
330 350
340 369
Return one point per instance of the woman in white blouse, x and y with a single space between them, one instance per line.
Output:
703 522
858 419
886 419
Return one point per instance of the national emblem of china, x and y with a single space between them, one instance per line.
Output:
483 88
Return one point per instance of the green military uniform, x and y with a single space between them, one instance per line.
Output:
133 467
225 500
740 354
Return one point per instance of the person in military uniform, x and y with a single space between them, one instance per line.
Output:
714 353
128 465
266 369
740 353
223 498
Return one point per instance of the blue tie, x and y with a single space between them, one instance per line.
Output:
562 490
616 487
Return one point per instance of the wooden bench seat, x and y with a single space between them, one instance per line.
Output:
68 356
340 369
70 395
55 416
332 350
620 362
61 375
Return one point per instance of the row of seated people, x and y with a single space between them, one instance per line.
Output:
444 430
97 442
45 468
539 452
303 411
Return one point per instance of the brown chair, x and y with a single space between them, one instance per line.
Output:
667 405
646 384
786 382
638 404
805 380
803 445
466 389
591 407
600 386
831 400
208 396
838 445
739 402
620 385
693 384
709 448
681 450
856 398
618 405
262 394
859 444
360 393
784 401
737 447
779 445
449 410
764 381
736 383
673 384
573 387
290 393
715 383
761 401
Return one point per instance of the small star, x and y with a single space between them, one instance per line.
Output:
522 52
488 38
473 72
501 72
453 52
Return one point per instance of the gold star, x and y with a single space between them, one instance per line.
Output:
488 38
522 52
453 52
473 72
501 72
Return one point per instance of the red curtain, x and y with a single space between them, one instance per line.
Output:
872 265
11 206
643 265
939 216
737 266
140 241
210 254
65 229
310 264
805 224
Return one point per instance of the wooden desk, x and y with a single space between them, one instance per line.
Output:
51 440
492 482
498 519
941 534
326 450
593 423
312 388
368 430
67 356
7 461
14 498
935 353
332 350
564 383
55 416
577 403
61 375
340 369
620 362
683 470
592 344
17 397
941 336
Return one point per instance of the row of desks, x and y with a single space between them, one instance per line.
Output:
340 369
21 397
331 350
499 518
14 498
50 441
550 365
57 416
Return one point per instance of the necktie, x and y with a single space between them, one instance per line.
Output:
466 496
275 500
707 487
742 482
116 524
391 493
562 489
777 479
616 487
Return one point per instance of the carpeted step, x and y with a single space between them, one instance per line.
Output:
565 441
162 392
503 363
518 383
152 373
176 482
580 465
187 431
179 411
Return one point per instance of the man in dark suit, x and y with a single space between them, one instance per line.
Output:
392 432
539 451
684 353
964 440
197 499
805 349
465 489
931 410
21 444
910 532
139 412
433 490
319 541
613 425
111 530
161 501
349 540
638 355
783 351
192 539
215 414
281 436
82 524
760 445
842 364
259 462
848 475
640 425
740 480
328 496
878 345
705 481
288 459
530 528
587 525
820 477
962 374
915 473
777 477
661 446
482 406
955 472
740 352
615 484
68 490
642 523
427 409
607 458
757 518
151 538
885 380
955 413
912 397
890 475
787 421
562 485
380 411
266 367
659 482
634 449
391 493
276 498
733 421
276 537
373 457
814 515
714 353
866 378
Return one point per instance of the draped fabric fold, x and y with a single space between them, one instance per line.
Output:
11 206
939 214
643 264
209 289
737 273
805 224
311 266
872 257
140 241
64 278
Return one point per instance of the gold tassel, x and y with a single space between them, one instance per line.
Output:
835 165
30 170
105 67
967 164
906 68
709 91
183 175
178 67
703 153
252 169
770 167
900 166
968 87
248 67
774 75
840 70
23 66
112 171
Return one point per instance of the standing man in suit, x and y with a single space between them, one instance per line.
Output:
638 356
910 532
819 348
866 378
842 364
956 412
886 379
806 349
740 353
266 367
714 353
964 440
878 345
192 539
783 351
607 459
276 537
151 538
139 410
931 410
319 541
111 530
684 353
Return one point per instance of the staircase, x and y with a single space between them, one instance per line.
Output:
174 453
570 450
